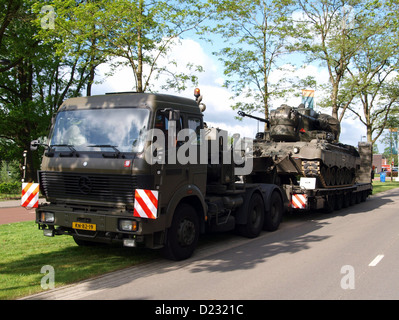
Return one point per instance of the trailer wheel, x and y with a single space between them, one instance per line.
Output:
275 214
363 196
255 218
182 237
353 198
329 203
347 200
339 201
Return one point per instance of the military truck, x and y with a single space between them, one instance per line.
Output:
144 170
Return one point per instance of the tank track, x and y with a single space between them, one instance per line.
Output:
328 177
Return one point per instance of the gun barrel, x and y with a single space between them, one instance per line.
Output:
243 114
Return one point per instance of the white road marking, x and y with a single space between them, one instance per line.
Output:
376 260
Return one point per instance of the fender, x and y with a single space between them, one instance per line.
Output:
185 192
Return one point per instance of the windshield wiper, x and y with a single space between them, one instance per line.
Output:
114 155
70 146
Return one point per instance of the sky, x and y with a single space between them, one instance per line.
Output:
218 112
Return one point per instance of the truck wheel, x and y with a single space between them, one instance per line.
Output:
182 237
275 214
255 218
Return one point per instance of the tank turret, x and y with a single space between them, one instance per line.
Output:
302 124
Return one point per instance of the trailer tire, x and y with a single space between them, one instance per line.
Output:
353 198
275 213
339 202
363 196
255 218
347 200
329 203
182 236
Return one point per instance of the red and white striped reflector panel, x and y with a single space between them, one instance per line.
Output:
30 195
145 204
299 201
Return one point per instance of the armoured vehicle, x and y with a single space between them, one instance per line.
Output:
303 143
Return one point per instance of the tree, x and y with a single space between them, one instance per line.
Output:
334 32
134 33
377 100
371 80
255 34
32 85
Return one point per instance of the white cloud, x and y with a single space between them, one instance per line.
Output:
217 98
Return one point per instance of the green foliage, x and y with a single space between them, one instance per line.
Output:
9 171
334 33
33 83
44 64
10 187
137 33
255 35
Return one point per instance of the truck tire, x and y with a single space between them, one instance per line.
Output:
275 214
255 218
182 237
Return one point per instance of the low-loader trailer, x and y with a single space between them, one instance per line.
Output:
144 170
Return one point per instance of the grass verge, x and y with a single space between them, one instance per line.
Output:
384 186
24 251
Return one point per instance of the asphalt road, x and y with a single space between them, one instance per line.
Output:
349 254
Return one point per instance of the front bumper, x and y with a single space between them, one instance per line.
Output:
97 224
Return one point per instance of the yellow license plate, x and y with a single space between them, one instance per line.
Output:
84 226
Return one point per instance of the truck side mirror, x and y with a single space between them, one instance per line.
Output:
34 144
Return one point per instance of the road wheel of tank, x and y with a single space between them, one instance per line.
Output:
275 214
353 176
326 174
347 176
333 176
340 176
182 237
255 218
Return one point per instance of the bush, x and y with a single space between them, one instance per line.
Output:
10 187
394 174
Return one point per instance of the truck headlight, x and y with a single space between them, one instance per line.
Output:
47 217
128 225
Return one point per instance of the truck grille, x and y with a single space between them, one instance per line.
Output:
93 187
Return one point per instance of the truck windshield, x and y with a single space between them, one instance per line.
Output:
121 129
